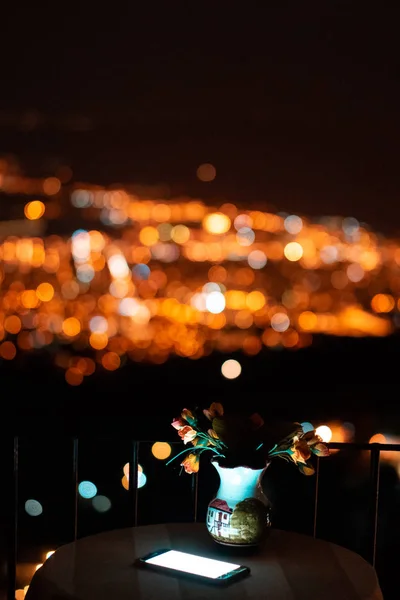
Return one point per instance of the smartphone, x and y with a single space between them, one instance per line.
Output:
207 570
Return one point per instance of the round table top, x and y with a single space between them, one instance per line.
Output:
288 566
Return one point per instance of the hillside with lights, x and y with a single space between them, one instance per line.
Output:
143 278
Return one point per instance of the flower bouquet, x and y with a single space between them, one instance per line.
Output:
241 448
237 440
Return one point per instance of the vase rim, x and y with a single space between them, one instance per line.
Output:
241 466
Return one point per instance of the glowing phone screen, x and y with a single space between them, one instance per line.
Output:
189 563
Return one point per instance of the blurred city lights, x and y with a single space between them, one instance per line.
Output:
174 276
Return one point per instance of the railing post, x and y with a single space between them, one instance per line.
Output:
195 495
75 475
374 471
133 481
12 526
316 498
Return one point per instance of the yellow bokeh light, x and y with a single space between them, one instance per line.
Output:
161 450
34 210
255 300
50 553
71 327
149 236
293 251
180 234
216 223
45 291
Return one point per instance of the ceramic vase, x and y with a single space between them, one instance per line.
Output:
239 515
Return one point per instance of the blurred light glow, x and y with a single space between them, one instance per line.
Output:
34 210
206 172
98 324
325 433
257 259
33 508
101 504
293 251
215 302
293 224
142 479
161 450
217 223
231 369
280 322
87 489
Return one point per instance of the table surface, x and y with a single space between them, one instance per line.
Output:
288 566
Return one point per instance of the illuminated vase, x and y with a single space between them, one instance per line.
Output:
239 515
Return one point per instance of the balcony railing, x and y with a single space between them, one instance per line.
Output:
11 501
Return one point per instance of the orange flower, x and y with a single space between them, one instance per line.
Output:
187 433
191 463
216 410
301 451
212 435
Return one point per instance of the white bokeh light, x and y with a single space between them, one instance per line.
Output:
231 369
215 302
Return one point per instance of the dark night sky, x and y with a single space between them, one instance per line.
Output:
296 104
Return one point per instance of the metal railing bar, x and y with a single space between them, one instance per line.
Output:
13 528
358 446
75 483
316 498
374 466
195 494
133 481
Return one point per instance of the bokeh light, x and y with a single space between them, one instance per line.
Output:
87 489
324 432
145 277
33 508
34 210
101 504
231 369
206 172
161 450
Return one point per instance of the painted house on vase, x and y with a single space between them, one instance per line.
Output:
218 518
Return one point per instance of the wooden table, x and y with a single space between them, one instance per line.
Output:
288 566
